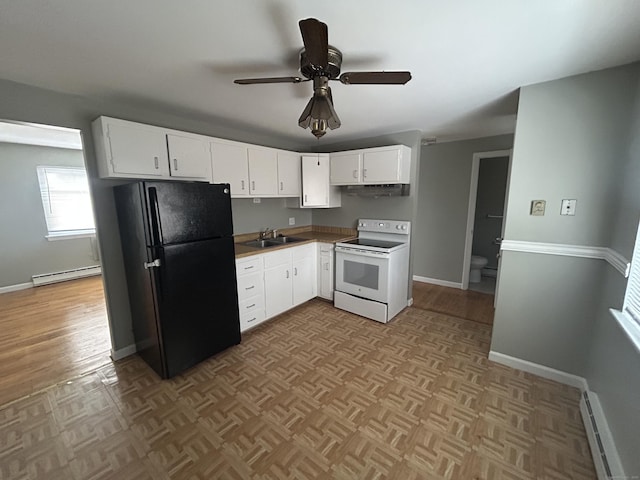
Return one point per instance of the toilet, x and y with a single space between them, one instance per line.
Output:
477 264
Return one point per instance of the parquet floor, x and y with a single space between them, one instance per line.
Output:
51 333
315 393
465 304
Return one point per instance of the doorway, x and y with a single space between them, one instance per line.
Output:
488 194
53 318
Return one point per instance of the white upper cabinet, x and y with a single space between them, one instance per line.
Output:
230 165
188 157
263 171
382 165
288 174
346 168
133 150
127 149
316 190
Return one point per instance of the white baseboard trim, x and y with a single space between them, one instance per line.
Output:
15 288
613 258
123 352
540 370
435 281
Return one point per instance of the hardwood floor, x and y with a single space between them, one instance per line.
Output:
466 304
51 333
314 393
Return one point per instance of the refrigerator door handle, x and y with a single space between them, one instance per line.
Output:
155 217
155 263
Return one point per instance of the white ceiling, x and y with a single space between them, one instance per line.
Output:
467 57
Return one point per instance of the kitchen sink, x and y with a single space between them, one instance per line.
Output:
273 242
281 240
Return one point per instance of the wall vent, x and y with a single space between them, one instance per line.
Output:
48 278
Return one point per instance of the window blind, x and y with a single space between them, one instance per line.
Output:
632 296
66 200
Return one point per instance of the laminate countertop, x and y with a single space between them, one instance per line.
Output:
309 236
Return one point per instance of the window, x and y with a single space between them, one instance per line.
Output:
66 201
631 305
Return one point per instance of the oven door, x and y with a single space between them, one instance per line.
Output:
362 273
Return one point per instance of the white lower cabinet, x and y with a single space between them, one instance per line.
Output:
250 291
325 270
304 273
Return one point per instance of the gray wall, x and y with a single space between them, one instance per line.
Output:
577 138
492 185
445 177
392 208
269 213
25 250
29 104
614 363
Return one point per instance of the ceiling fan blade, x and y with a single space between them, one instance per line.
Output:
251 81
375 78
315 37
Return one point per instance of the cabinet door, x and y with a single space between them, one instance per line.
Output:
381 166
278 283
138 150
288 174
346 168
229 162
315 181
189 157
325 287
303 280
263 171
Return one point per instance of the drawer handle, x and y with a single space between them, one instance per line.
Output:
355 174
251 287
251 306
253 185
155 162
281 186
249 267
252 320
175 164
287 273
241 184
295 271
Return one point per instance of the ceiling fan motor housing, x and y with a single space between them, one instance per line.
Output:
332 70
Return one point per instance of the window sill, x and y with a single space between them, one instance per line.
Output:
69 236
630 327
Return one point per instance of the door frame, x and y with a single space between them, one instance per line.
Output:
471 210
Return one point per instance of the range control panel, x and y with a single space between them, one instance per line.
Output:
386 226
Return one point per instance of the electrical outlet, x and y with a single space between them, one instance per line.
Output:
292 220
568 207
256 200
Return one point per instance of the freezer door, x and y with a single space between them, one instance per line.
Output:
181 212
197 301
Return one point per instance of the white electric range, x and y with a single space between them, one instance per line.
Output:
372 271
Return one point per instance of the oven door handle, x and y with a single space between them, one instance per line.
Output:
356 252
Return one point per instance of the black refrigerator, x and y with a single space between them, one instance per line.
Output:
177 243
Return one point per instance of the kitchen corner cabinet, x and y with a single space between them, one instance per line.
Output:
132 150
316 190
371 166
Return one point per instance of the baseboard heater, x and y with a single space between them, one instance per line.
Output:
603 450
48 278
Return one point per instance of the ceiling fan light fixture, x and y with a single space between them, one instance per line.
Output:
319 113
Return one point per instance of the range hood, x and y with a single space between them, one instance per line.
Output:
385 190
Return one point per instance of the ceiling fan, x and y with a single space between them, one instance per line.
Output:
321 62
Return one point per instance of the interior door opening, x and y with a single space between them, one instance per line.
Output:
52 296
485 222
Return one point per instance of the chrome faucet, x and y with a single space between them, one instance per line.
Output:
266 232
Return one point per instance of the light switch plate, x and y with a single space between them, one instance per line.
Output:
537 207
292 220
568 207
256 200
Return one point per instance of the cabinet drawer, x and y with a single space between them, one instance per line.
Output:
252 264
326 248
251 304
251 319
250 285
277 258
